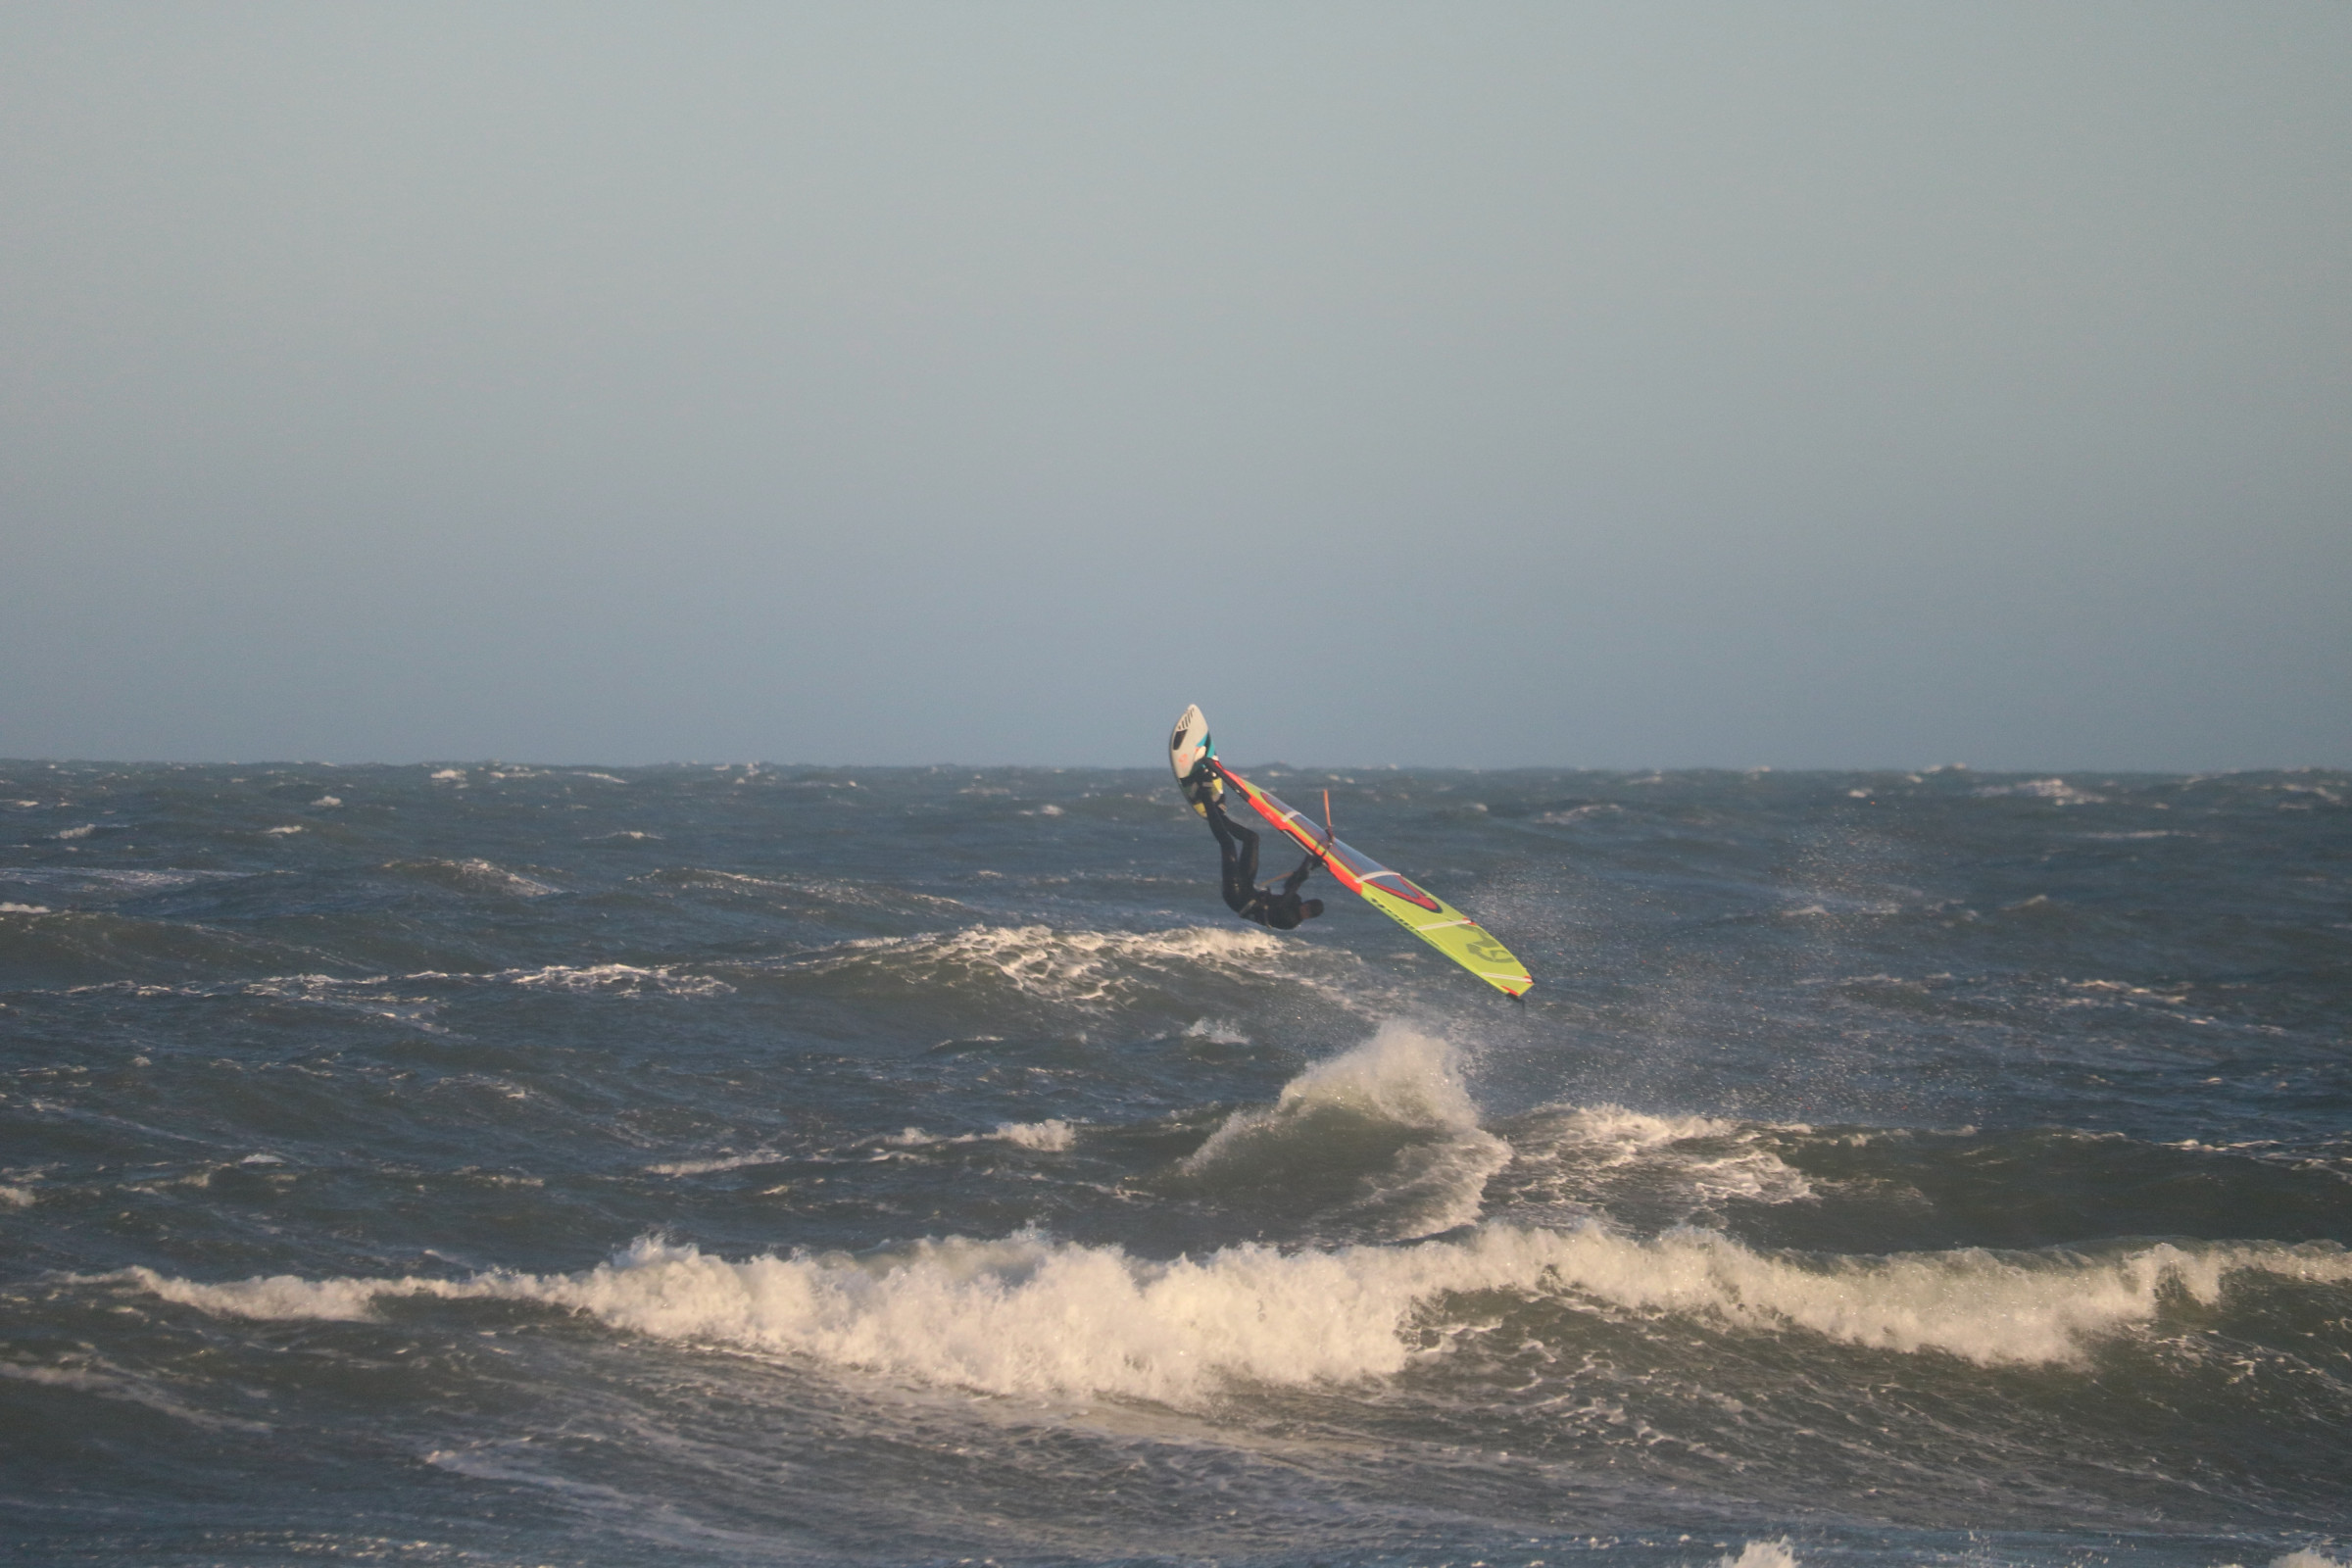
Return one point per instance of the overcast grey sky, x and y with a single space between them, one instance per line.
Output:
1844 385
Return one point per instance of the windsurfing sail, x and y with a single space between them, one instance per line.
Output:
1188 746
1416 908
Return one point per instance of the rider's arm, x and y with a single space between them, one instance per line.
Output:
1290 884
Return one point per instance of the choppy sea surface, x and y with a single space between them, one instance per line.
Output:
691 1165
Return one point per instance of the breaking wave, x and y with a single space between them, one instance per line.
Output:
1394 1112
1032 1316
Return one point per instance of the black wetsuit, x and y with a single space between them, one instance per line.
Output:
1280 908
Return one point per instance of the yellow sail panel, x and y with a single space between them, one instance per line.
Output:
1414 907
1458 937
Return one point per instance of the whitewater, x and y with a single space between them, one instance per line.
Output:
498 1164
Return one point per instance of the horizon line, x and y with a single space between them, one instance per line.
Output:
768 765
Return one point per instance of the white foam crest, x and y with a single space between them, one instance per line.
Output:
1756 1174
82 832
369 994
26 908
498 879
292 987
2118 992
1831 904
2307 1559
1028 1314
280 832
1577 814
1760 1554
76 879
1401 1076
1084 968
1052 1136
480 876
1612 1134
611 979
2057 791
1604 1154
704 1167
1022 1315
1991 1308
15 1197
275 1297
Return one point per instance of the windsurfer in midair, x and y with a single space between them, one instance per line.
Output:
1280 908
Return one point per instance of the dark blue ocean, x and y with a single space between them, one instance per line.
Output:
494 1165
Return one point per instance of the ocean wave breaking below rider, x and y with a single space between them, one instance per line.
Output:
1279 907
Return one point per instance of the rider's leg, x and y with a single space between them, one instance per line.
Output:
1238 858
